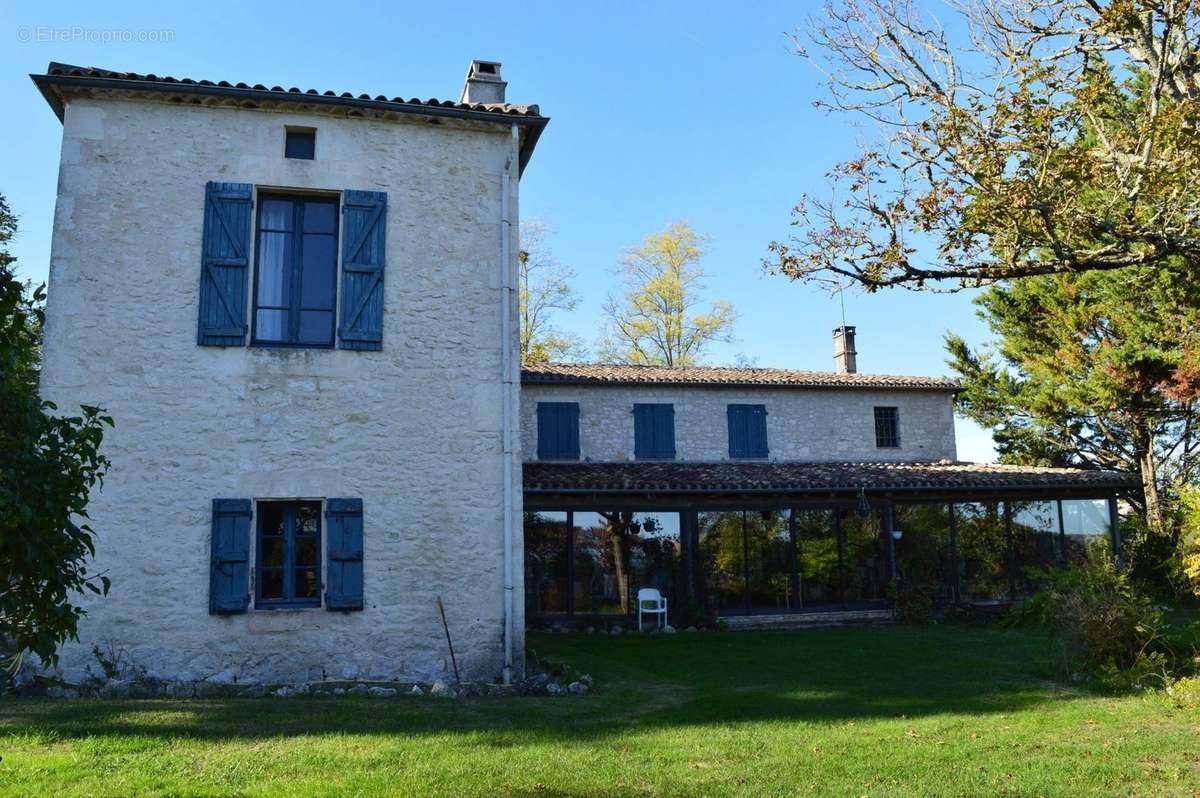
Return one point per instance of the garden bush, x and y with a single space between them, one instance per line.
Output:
1106 628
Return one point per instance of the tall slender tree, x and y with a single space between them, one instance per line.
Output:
661 318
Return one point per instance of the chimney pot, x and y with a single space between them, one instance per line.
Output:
483 83
844 354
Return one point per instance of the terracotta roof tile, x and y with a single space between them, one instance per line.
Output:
59 79
598 373
677 477
70 70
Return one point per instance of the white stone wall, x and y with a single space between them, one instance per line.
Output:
414 430
803 424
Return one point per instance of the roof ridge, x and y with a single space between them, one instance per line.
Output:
645 373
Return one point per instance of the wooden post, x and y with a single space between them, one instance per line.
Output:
888 523
955 595
1010 554
1114 527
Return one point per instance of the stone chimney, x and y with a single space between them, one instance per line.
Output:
844 361
483 84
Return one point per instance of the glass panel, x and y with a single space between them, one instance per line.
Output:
770 563
306 551
1084 521
274 272
275 214
863 559
271 583
722 558
320 217
319 261
601 563
270 518
316 327
923 558
1035 544
270 325
821 574
545 563
982 552
272 551
1085 516
656 556
308 518
307 584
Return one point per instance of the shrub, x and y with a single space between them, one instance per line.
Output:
1185 693
1189 538
1105 628
911 603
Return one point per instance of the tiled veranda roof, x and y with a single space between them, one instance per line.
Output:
676 477
597 373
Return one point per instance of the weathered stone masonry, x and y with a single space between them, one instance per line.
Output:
405 428
803 424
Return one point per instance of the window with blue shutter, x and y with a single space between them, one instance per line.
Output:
558 430
229 571
364 234
654 431
747 431
225 264
295 271
289 554
344 571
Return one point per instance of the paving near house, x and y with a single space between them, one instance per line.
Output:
869 710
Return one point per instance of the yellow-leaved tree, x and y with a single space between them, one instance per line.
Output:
661 317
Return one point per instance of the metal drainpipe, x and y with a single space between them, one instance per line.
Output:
507 388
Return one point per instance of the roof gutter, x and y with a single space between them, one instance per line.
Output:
1099 488
840 386
50 85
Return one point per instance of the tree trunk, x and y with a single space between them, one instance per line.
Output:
1149 474
1148 471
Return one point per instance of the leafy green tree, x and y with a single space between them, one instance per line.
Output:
545 289
1025 137
1084 373
48 465
661 319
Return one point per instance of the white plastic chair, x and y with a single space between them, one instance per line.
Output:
651 602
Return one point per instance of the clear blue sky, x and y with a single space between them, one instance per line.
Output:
659 111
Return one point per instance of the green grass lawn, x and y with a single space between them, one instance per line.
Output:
945 710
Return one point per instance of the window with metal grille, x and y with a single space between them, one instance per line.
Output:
887 427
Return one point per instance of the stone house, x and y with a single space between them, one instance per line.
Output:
299 307
263 285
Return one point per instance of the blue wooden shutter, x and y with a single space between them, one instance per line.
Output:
558 430
364 234
344 573
654 431
569 431
756 431
225 264
665 432
643 431
738 434
229 573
